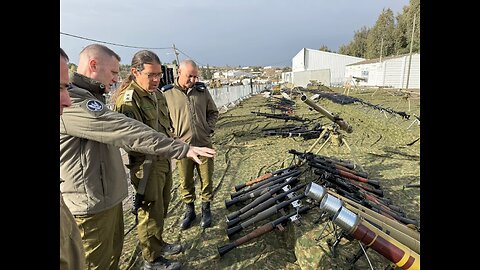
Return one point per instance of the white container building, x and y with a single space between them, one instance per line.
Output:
325 67
391 71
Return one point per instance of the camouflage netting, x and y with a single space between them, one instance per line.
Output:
382 144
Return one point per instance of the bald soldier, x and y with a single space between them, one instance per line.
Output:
194 115
90 160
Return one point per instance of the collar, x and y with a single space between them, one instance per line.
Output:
180 87
140 91
95 87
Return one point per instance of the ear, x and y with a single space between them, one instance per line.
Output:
134 71
92 63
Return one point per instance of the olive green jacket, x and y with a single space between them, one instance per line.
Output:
193 113
151 109
90 137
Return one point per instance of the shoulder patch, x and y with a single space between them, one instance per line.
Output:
200 86
128 96
166 87
94 105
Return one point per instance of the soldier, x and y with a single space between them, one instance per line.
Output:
90 160
194 115
72 255
139 98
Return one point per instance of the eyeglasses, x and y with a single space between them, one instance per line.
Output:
153 75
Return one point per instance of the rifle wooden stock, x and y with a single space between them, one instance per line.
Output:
262 215
259 231
262 206
386 246
337 166
340 122
262 177
345 174
351 205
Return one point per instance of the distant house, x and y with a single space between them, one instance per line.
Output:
391 71
325 67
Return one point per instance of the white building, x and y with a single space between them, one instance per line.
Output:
325 67
391 71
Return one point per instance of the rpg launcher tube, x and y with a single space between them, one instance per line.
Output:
262 215
263 177
394 251
262 206
259 231
259 200
257 185
255 193
358 208
343 125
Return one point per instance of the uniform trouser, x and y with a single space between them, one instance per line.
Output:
152 213
102 236
186 167
72 256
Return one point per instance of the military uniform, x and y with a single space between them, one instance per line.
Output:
194 115
72 255
92 167
151 109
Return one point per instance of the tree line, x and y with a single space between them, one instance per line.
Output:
391 35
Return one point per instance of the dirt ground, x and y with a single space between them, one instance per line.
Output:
381 143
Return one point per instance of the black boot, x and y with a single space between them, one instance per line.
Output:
206 215
189 216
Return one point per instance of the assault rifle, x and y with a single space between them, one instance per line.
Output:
367 184
330 175
140 194
371 202
283 116
261 230
343 163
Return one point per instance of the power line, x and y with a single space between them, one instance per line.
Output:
190 57
115 44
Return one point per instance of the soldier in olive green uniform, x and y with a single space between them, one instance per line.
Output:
139 98
72 255
90 160
194 115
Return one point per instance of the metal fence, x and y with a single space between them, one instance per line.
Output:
227 95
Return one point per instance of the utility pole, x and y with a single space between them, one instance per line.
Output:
381 49
411 48
176 54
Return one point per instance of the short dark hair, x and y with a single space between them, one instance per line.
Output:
63 54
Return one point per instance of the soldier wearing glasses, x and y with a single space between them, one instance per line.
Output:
138 97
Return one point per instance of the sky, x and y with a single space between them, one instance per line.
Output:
217 32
